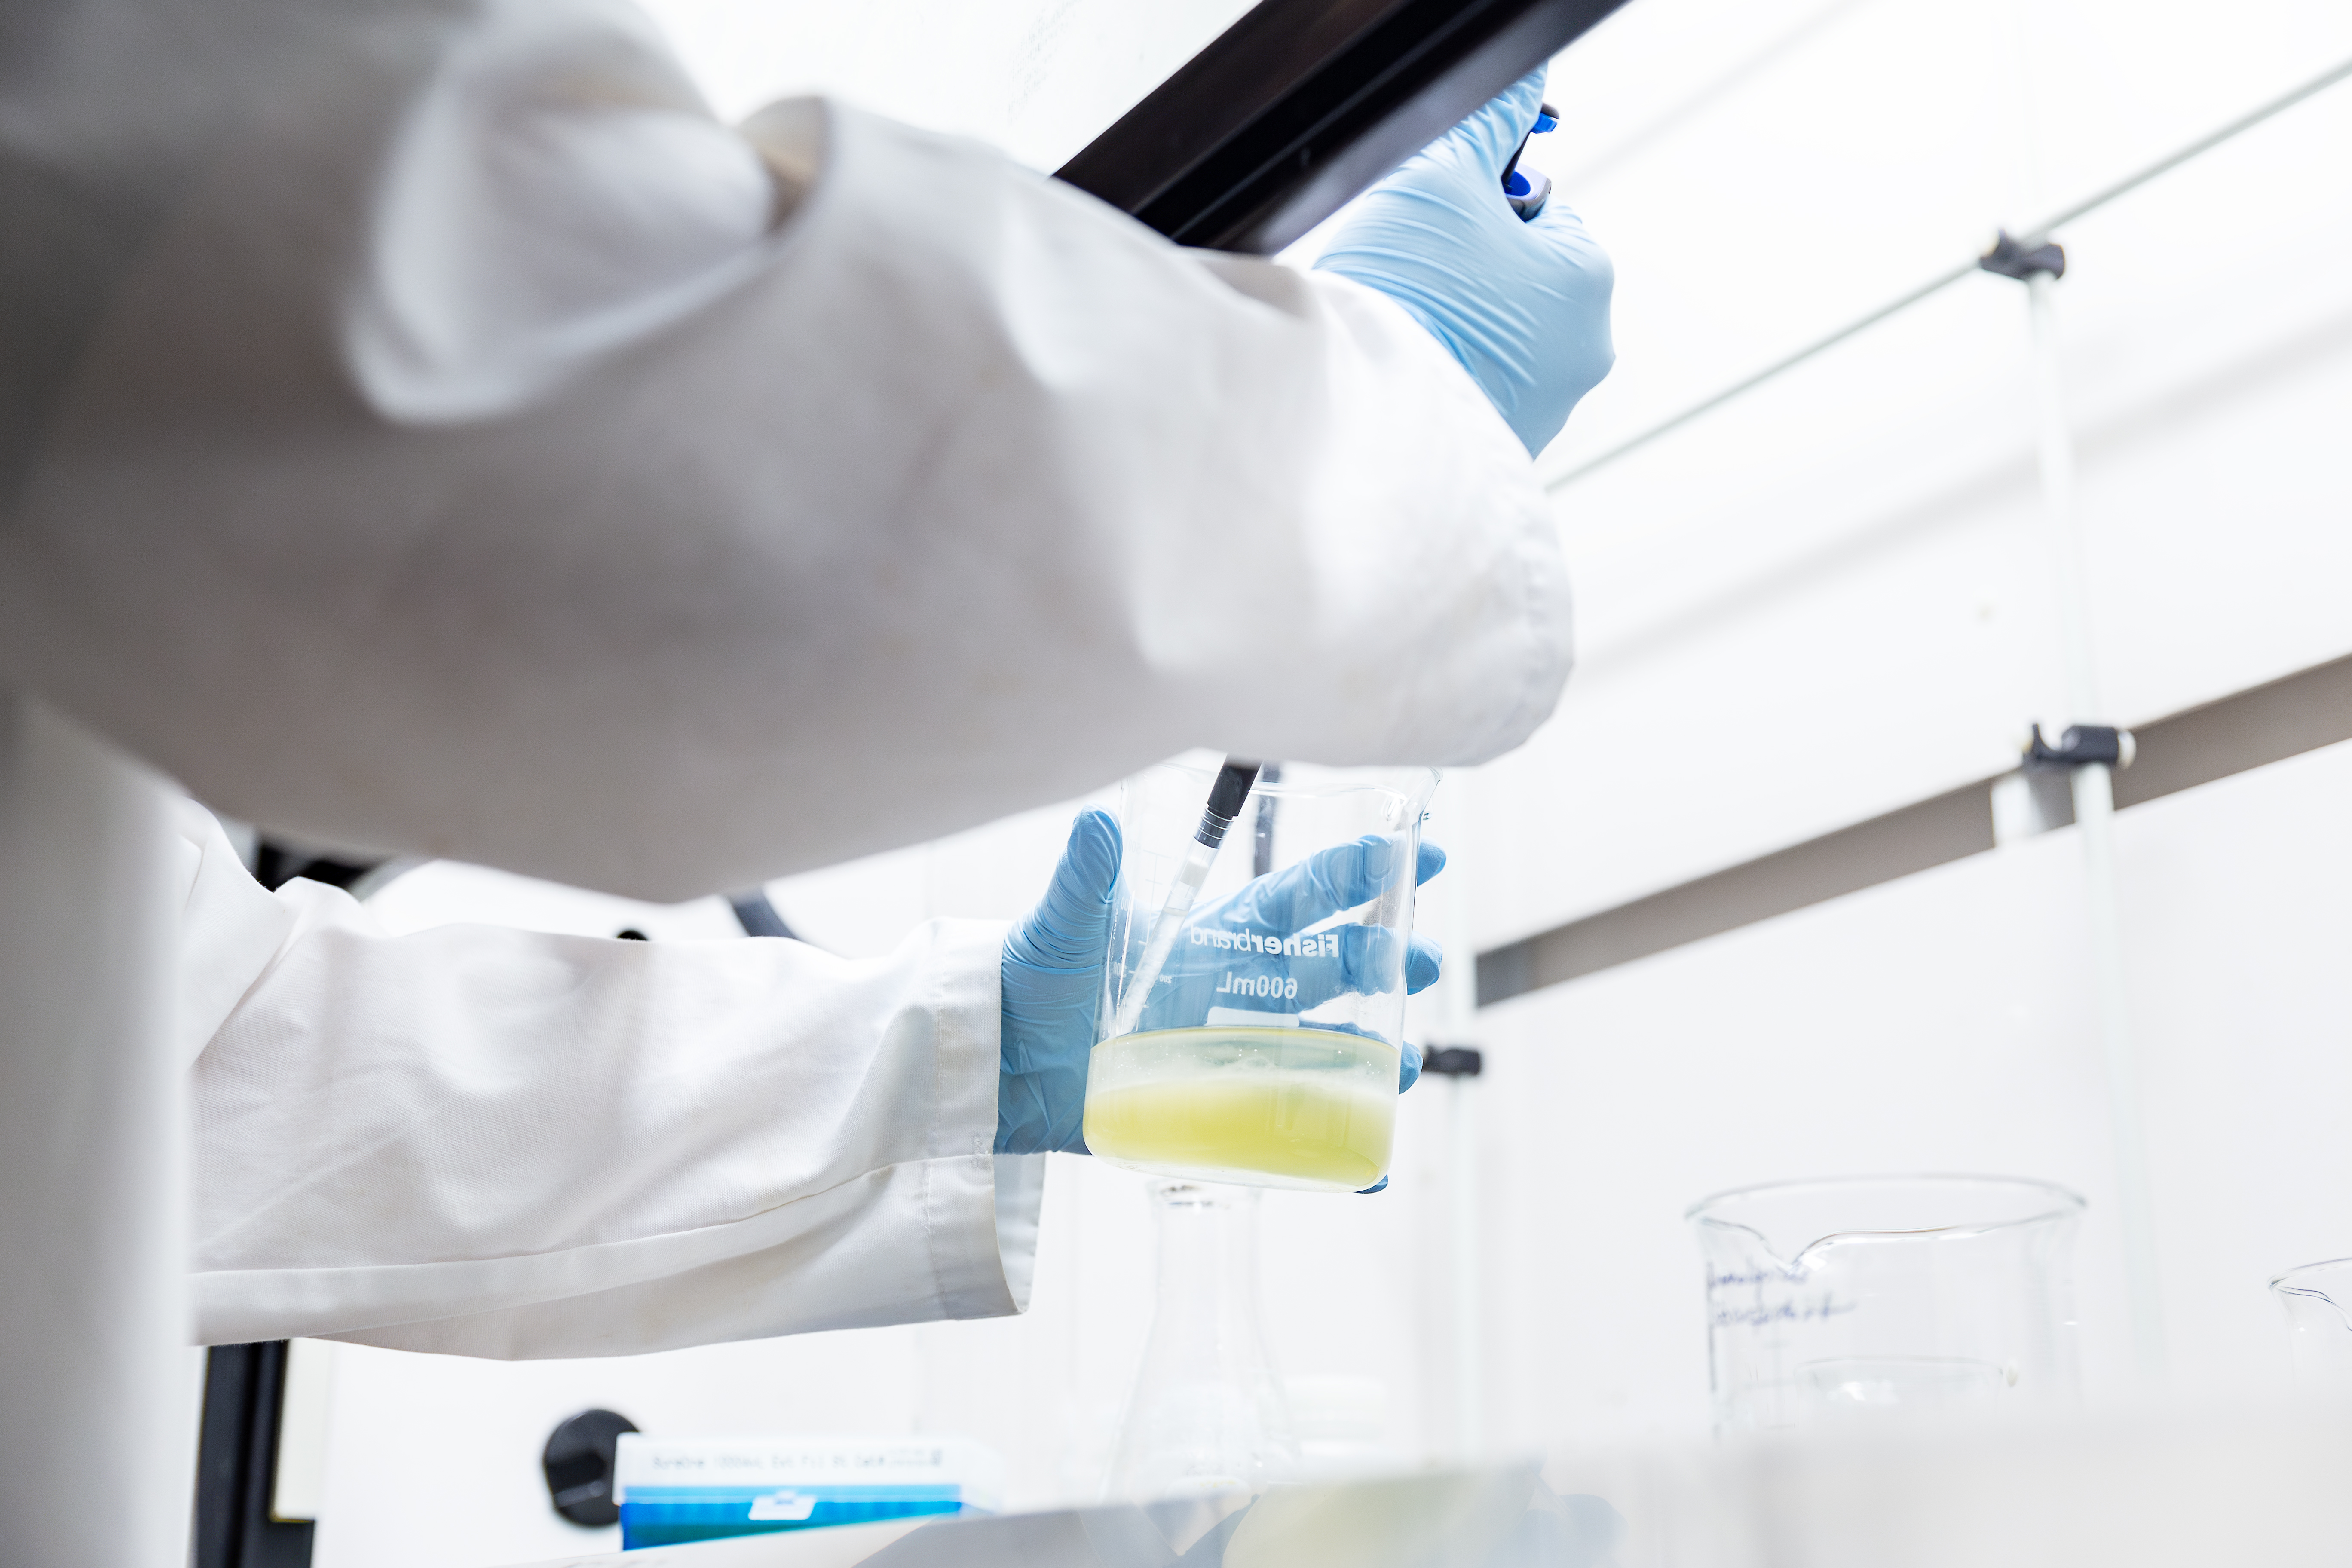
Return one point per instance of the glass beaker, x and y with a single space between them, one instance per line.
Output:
2318 1299
1207 1412
1844 1296
1266 1049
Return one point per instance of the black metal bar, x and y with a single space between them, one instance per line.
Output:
1453 1061
758 916
1300 104
236 1463
276 864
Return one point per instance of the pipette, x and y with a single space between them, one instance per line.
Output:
1529 192
1225 799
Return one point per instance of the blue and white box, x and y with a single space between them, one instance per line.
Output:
676 1489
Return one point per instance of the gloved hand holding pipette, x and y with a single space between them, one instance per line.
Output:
1054 959
1522 304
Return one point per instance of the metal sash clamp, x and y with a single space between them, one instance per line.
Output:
2078 746
1452 1061
2011 257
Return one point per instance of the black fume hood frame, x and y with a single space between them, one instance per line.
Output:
1300 104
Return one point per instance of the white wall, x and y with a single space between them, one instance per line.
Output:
1829 598
1821 603
1936 1024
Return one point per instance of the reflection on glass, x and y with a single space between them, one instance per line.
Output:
1886 1381
2317 1298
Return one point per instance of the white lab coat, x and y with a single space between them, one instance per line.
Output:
465 459
506 1144
425 428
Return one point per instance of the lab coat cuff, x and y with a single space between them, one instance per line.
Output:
231 928
1020 1196
981 1209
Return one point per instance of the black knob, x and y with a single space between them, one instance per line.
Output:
1453 1061
578 1462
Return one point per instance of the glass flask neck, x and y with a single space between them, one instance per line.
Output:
1207 1414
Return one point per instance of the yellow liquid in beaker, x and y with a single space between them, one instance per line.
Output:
1288 1108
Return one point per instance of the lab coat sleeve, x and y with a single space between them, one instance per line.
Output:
500 1143
485 453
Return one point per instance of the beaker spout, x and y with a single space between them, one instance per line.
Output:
2317 1301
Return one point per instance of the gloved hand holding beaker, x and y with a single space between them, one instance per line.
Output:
1054 958
1522 304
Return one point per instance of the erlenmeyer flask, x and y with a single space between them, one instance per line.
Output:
1207 1414
2318 1301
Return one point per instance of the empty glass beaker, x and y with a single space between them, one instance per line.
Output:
2317 1298
1207 1414
1263 1045
1844 1296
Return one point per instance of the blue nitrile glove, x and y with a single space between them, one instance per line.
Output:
1052 970
1053 974
1523 305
